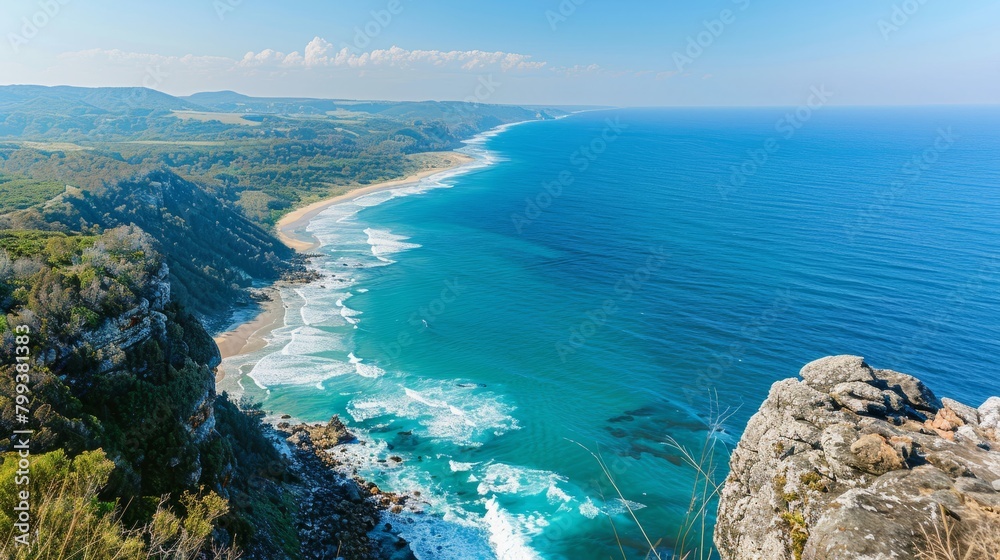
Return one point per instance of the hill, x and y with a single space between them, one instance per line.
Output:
208 278
122 401
68 100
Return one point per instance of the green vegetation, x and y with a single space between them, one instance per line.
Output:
206 277
138 391
797 531
290 149
71 522
129 219
814 481
19 194
217 166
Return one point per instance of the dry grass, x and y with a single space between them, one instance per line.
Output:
70 523
694 536
967 540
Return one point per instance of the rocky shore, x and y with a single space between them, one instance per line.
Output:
852 462
339 514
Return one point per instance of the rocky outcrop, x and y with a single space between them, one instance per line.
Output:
117 334
852 462
147 321
339 514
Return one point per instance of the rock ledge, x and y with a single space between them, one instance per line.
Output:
857 463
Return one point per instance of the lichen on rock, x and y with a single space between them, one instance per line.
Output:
853 463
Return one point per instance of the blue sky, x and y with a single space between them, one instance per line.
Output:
622 52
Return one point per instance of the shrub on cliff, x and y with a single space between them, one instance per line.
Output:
69 521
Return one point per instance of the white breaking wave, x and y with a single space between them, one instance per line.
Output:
506 536
347 313
444 412
616 506
619 506
280 369
363 369
455 466
589 510
452 538
321 324
309 340
501 478
384 242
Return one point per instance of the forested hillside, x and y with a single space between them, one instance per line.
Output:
216 166
205 276
119 369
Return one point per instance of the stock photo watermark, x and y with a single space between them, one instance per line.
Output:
954 303
787 126
562 13
486 86
579 162
625 289
152 79
32 25
424 318
370 30
750 333
21 437
900 16
224 7
698 43
911 172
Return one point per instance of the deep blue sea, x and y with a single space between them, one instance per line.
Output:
596 285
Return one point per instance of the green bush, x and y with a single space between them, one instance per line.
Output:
69 522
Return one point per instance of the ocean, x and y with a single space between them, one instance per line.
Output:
597 289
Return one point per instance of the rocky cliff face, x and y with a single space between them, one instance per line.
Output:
141 323
147 321
852 462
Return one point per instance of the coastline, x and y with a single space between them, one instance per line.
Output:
332 489
291 228
250 336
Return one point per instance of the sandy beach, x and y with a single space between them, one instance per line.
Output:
291 228
250 336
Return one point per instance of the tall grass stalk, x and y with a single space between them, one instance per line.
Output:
693 540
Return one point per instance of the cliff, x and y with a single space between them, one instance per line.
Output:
852 462
121 369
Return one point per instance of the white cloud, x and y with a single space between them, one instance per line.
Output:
116 56
321 53
581 69
321 69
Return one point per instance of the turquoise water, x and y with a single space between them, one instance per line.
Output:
600 281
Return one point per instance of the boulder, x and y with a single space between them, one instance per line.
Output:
989 414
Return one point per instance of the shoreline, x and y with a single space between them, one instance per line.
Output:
290 228
250 336
320 456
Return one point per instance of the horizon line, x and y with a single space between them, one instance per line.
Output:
521 104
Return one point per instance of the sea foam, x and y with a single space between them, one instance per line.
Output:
383 242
